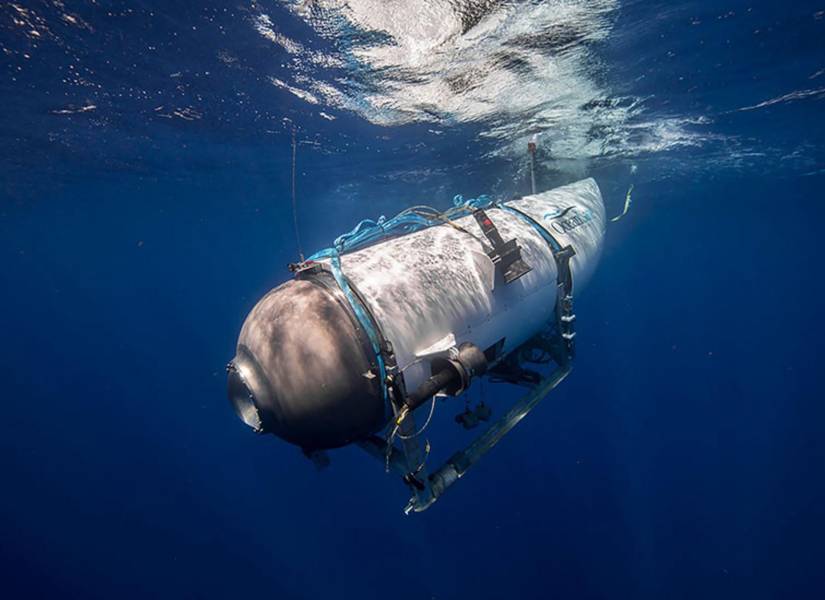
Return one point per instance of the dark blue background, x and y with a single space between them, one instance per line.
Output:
683 458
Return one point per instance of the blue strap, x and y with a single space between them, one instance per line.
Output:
364 320
369 232
554 244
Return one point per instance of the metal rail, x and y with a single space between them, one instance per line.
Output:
458 465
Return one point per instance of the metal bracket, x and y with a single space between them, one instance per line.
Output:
409 458
298 267
458 465
408 461
505 255
565 317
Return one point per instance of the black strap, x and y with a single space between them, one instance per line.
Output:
565 317
505 255
321 274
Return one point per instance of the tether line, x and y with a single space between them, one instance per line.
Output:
294 202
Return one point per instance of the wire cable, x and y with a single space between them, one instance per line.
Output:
423 427
294 202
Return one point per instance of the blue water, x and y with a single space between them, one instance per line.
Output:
144 208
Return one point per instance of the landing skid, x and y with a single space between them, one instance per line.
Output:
553 346
408 459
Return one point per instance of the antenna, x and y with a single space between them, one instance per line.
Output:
294 202
531 148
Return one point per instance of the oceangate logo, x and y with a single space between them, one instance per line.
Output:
565 221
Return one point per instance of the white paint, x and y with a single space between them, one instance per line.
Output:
430 286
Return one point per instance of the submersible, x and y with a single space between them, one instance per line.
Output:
405 311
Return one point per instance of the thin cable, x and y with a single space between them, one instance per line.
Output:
396 433
388 448
423 460
369 232
423 427
294 202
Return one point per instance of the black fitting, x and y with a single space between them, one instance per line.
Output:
431 386
450 375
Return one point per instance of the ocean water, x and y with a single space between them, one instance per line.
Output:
145 164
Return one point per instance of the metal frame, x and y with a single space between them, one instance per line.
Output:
409 460
410 456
